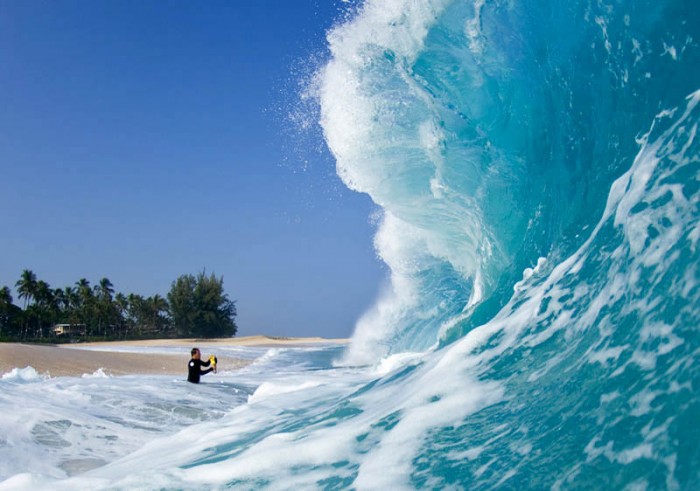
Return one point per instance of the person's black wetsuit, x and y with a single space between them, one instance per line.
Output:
195 370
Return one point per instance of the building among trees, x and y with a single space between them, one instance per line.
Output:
69 330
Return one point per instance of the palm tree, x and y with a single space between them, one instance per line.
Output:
71 296
106 289
26 286
104 308
159 306
86 301
60 299
5 296
45 306
122 305
5 306
44 294
135 312
156 305
71 303
83 287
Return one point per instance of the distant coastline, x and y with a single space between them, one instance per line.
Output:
255 340
72 360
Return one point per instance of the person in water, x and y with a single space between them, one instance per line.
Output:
195 366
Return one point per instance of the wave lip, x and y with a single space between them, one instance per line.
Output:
489 134
390 141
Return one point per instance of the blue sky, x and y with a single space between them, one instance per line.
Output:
142 140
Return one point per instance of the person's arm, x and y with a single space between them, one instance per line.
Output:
205 363
204 372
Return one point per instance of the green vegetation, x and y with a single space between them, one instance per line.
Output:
195 307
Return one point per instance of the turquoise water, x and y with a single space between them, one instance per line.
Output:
537 172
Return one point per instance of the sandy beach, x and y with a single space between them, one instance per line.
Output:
71 360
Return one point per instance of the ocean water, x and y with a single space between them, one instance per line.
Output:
537 173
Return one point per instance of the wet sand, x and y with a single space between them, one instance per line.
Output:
71 360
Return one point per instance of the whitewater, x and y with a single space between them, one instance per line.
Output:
536 168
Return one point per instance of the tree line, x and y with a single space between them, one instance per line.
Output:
196 306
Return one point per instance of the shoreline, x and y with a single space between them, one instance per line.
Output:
69 360
256 340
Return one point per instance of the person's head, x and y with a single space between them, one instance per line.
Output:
195 353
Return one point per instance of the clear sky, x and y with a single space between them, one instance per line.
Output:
141 140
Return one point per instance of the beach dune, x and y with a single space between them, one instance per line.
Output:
71 360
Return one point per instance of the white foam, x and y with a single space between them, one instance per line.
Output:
528 272
269 389
99 373
394 362
269 355
607 356
473 29
20 481
27 374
